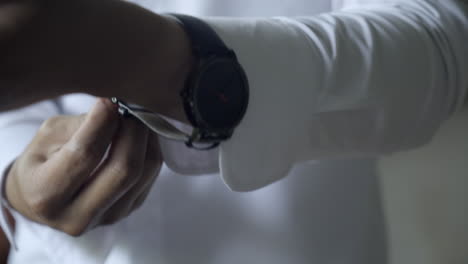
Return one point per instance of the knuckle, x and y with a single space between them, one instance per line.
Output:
49 125
73 229
125 170
83 153
131 165
42 201
40 205
123 175
119 170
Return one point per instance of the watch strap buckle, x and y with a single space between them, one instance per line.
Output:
164 128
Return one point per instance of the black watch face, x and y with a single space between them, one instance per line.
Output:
221 94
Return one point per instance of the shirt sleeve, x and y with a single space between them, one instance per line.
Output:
17 128
359 82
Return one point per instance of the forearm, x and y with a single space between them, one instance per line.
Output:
105 48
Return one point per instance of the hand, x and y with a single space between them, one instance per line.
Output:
105 48
65 179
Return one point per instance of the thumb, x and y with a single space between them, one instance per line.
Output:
98 126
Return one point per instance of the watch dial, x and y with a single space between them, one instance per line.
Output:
221 95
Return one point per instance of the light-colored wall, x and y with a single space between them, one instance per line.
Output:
426 198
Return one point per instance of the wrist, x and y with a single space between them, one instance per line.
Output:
183 61
159 75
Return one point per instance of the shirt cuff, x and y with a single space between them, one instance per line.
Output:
263 148
347 84
183 160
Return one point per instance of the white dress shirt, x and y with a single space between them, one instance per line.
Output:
328 93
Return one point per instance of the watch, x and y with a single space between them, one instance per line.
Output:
215 95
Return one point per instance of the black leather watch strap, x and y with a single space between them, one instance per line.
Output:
206 46
205 41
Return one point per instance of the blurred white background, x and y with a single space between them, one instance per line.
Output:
426 198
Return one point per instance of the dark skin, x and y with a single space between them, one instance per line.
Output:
104 48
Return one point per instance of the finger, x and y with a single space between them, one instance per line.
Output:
51 136
142 197
101 121
119 173
154 151
125 205
74 162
